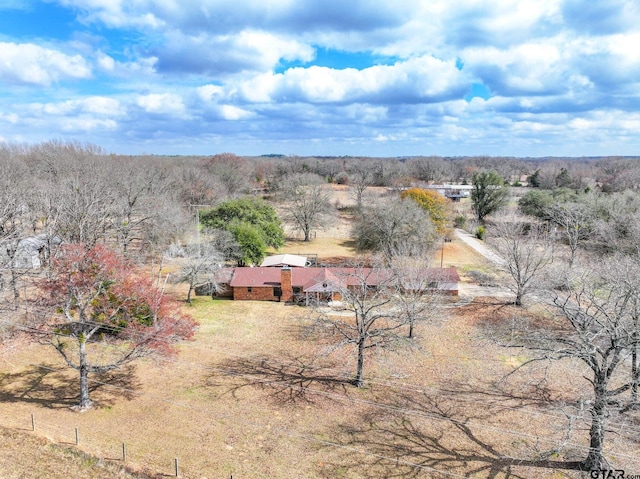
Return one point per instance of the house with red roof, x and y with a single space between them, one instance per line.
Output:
307 285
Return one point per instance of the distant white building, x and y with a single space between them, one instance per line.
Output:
33 251
453 192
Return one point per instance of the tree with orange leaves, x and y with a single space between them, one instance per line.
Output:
434 203
100 315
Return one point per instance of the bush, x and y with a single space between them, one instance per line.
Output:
481 233
483 279
342 178
459 221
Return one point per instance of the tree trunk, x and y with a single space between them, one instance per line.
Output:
411 321
573 253
14 287
359 382
635 374
518 301
596 460
189 294
307 233
85 402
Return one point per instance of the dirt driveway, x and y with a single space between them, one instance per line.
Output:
495 263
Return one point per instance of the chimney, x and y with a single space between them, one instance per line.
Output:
285 284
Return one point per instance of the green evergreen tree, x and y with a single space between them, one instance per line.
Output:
253 223
489 193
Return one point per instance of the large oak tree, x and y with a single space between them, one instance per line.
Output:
99 314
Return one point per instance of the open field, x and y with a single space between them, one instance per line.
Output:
257 395
260 393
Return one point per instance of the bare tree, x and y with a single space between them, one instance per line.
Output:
195 185
576 222
430 168
199 265
527 250
361 177
596 326
74 197
368 294
623 273
389 224
231 170
307 203
15 220
138 182
417 295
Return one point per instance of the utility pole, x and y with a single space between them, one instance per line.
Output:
197 207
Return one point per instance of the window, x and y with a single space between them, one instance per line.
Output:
297 290
277 291
249 289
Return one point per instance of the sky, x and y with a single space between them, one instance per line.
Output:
522 78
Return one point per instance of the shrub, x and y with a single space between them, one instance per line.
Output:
459 221
342 178
481 233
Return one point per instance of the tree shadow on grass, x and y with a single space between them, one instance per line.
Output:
289 381
420 436
349 243
50 387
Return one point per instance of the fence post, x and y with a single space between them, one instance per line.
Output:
124 452
33 423
176 464
77 437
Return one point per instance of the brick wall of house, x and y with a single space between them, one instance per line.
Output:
256 294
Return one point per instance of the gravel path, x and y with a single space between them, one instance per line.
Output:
480 247
469 290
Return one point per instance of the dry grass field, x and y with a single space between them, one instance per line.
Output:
261 394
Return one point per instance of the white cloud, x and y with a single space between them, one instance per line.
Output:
221 55
533 67
87 124
105 62
12 118
116 13
423 79
209 93
162 104
28 63
230 112
552 69
96 105
229 15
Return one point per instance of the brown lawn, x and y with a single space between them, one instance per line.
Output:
258 395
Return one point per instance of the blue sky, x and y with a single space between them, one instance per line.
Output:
310 77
